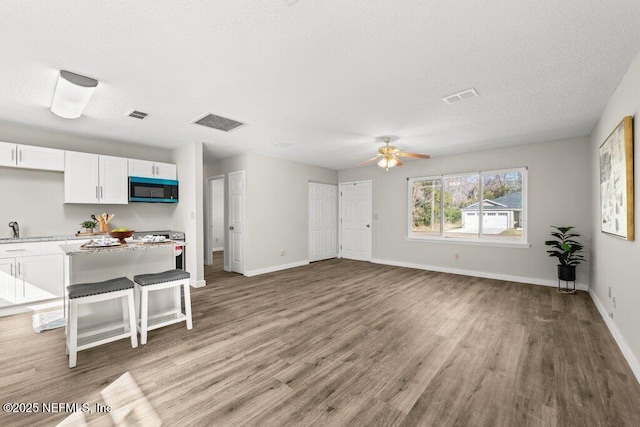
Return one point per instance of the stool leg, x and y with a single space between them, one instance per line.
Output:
125 313
73 333
132 319
187 305
144 315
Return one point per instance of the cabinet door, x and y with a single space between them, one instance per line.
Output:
39 277
40 158
7 282
80 177
113 180
166 171
141 168
8 153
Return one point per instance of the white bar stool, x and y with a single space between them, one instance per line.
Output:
85 293
146 283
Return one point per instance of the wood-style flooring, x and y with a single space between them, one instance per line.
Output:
342 342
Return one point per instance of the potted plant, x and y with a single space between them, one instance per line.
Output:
88 225
567 250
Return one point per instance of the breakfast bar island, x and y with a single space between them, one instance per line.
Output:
85 264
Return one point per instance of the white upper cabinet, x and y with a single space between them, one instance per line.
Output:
90 178
30 157
146 169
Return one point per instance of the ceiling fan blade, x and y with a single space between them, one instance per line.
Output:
369 161
398 160
414 155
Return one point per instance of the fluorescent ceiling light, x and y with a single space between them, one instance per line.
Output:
72 94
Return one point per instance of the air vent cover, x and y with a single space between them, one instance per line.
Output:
218 122
460 96
282 144
137 114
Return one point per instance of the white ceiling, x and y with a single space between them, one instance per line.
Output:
327 76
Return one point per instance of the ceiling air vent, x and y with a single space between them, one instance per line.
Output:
460 96
137 114
282 144
218 122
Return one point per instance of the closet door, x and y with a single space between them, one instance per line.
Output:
323 221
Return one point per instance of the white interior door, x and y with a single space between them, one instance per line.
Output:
236 221
323 221
355 217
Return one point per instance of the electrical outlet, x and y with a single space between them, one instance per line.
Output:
281 252
611 314
456 256
193 215
216 240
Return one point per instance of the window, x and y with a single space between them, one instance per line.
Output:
480 206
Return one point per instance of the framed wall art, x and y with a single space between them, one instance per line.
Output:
616 182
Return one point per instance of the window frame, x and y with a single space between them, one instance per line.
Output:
479 239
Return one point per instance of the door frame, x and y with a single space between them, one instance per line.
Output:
228 240
340 184
208 244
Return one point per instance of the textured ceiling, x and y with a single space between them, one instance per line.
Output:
326 76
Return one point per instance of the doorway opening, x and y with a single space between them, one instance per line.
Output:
214 243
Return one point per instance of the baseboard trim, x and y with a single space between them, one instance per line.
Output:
226 268
274 268
198 283
31 307
484 274
221 248
633 362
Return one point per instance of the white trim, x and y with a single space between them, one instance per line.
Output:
226 268
484 274
228 238
633 362
475 242
271 269
217 249
30 307
198 283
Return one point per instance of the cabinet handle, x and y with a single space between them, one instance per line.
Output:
15 250
97 196
13 154
101 196
19 269
20 156
153 170
12 270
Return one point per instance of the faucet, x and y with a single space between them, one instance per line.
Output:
15 228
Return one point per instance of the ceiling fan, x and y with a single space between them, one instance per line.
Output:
389 155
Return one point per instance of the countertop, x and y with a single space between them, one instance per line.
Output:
43 239
133 245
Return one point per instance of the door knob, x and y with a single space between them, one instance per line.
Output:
231 228
368 225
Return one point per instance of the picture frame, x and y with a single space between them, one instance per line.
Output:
616 182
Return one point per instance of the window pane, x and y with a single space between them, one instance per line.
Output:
502 205
425 204
461 206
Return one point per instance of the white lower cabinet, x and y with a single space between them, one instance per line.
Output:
31 278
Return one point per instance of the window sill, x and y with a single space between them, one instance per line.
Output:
503 244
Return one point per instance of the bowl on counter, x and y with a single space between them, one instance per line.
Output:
121 235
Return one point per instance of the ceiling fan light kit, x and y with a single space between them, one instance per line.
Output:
388 155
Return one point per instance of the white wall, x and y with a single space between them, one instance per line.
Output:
217 209
276 208
189 212
35 198
615 261
557 192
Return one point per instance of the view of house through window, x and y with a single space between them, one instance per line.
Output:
484 205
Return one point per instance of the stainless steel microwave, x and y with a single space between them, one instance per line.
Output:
153 190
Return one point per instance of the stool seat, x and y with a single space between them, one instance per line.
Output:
165 276
88 289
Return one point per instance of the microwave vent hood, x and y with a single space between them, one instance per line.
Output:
152 190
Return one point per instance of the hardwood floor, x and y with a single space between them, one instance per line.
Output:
343 342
